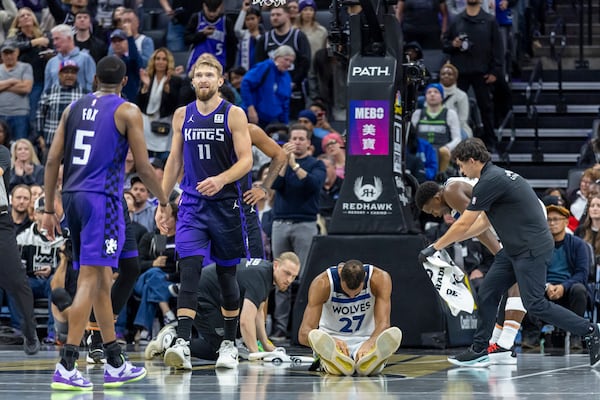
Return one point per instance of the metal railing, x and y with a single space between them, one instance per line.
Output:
533 92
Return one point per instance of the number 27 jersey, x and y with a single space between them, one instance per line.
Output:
345 316
95 150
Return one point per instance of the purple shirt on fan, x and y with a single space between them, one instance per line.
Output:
95 150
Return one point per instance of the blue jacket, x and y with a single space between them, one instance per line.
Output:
578 258
271 98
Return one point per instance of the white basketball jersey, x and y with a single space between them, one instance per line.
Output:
343 316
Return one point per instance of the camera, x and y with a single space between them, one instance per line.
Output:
415 72
465 43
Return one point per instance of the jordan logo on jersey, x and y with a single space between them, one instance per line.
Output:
190 119
219 118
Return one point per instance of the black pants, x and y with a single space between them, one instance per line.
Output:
529 271
14 279
484 102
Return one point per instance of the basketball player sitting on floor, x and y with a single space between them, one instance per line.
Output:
347 319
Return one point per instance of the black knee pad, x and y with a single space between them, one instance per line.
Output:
61 299
230 289
190 269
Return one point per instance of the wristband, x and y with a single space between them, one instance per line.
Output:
49 212
296 167
163 204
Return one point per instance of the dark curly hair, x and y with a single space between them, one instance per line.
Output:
471 148
425 192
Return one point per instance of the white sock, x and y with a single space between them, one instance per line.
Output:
170 316
509 333
496 334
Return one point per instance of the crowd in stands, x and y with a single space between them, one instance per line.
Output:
285 79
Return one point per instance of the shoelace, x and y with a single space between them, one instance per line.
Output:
492 348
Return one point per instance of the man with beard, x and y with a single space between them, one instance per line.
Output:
19 207
143 211
212 145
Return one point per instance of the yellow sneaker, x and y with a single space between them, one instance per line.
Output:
386 344
333 360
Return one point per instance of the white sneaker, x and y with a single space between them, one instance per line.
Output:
156 347
178 356
332 360
228 355
386 344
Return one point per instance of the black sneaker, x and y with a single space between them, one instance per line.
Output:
471 358
592 341
31 346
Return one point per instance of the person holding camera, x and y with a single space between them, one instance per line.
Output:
475 48
180 12
158 262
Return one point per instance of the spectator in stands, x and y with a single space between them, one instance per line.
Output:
55 100
63 15
37 191
180 12
20 201
26 168
106 8
62 38
33 49
589 228
130 171
5 136
455 99
266 89
211 31
420 22
144 45
329 194
40 259
123 46
234 82
283 33
309 120
297 191
424 151
247 30
334 146
579 198
589 154
143 211
455 7
7 14
307 23
437 124
16 81
294 9
158 98
320 109
558 196
158 262
475 48
85 39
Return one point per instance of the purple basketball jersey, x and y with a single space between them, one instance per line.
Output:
94 158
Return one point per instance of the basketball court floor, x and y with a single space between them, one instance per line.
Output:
411 374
